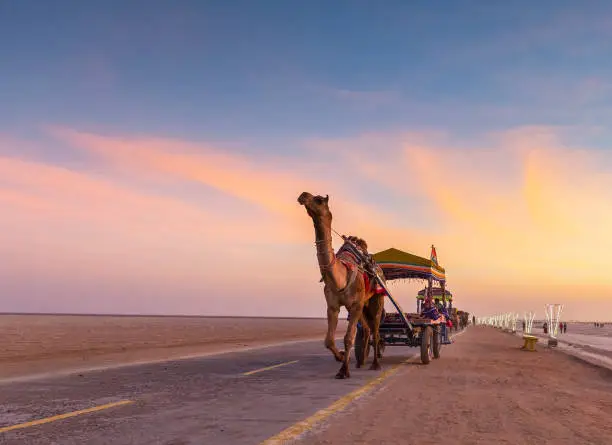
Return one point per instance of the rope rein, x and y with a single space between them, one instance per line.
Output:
334 259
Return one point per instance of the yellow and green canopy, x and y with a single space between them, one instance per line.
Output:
436 292
397 264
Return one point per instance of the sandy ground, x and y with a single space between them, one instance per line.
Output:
582 328
484 390
584 340
37 344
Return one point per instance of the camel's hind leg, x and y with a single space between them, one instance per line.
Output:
376 308
332 323
355 314
365 343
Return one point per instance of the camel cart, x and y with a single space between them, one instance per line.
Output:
446 301
409 329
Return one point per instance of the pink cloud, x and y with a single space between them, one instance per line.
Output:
265 186
271 184
61 221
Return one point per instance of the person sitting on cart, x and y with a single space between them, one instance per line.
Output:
449 321
430 310
439 304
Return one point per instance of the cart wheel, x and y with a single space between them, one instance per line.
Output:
426 345
437 341
359 349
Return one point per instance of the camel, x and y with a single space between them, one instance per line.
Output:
344 286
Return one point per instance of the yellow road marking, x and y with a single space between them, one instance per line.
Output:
267 368
296 430
64 416
307 424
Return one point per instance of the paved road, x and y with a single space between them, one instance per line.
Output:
197 401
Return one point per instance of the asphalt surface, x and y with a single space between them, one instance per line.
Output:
196 401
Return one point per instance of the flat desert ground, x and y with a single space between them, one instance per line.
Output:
484 390
40 344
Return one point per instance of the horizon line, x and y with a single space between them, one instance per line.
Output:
85 314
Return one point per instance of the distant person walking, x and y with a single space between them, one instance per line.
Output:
565 327
545 327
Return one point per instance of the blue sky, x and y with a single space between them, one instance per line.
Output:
270 70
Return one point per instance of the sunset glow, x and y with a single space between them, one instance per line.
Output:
103 212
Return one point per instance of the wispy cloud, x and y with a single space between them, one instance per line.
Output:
358 98
272 184
365 97
551 90
562 31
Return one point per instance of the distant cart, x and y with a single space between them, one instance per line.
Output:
447 298
436 294
410 329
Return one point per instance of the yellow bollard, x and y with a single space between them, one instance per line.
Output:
530 342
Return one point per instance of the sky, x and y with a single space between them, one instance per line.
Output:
152 152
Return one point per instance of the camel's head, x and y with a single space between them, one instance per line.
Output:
316 206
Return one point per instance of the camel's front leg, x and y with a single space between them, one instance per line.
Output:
349 339
332 323
375 363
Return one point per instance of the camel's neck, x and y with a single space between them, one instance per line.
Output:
333 272
323 240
